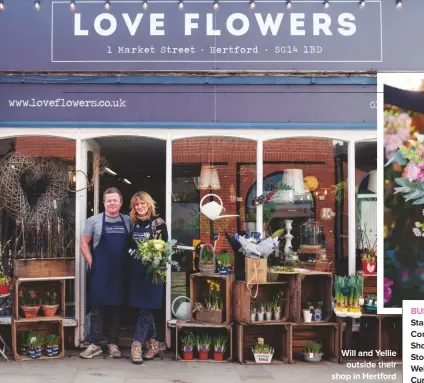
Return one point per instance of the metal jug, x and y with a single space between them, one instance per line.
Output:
183 311
212 209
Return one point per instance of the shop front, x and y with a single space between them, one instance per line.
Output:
272 148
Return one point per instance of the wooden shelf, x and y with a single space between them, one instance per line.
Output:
182 324
265 323
313 324
40 319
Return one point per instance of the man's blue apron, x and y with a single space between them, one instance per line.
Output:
144 293
108 267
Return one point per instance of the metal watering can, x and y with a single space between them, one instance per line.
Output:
183 311
212 209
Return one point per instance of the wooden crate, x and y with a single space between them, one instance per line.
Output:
364 342
369 283
40 287
45 327
44 268
198 287
277 336
325 332
211 330
391 337
266 291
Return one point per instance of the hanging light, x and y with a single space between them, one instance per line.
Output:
181 4
289 4
252 4
107 5
362 3
145 5
72 5
326 4
209 179
215 5
37 5
398 3
110 171
1 5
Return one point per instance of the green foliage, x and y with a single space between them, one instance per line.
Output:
312 348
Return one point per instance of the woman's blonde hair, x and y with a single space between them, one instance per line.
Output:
143 197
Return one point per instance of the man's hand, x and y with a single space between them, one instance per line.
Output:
85 249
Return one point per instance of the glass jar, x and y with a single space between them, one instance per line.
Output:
310 233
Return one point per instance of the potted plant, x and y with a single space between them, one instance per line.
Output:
261 311
23 348
370 303
35 342
207 260
4 283
29 303
52 345
50 304
312 352
268 310
355 292
211 311
307 313
219 347
224 260
263 353
203 346
188 342
317 311
341 293
253 310
276 305
369 261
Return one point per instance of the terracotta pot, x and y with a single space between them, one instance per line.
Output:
218 356
49 311
30 311
203 355
369 267
188 355
4 289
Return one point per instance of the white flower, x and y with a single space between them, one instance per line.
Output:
417 224
417 232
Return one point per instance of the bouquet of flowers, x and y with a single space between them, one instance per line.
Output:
254 247
411 184
157 255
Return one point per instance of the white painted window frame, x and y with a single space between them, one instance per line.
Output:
80 135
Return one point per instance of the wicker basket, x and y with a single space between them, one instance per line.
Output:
207 268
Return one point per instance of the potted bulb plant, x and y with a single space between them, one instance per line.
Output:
224 260
262 352
268 310
4 283
35 342
219 347
23 348
29 303
188 342
253 310
312 352
355 292
212 310
261 311
277 304
207 260
317 311
50 304
307 313
203 346
369 261
52 345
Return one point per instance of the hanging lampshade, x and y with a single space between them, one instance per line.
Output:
294 178
372 181
209 179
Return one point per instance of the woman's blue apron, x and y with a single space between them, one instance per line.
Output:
108 267
144 293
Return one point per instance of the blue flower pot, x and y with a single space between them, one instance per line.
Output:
34 353
52 351
317 315
224 270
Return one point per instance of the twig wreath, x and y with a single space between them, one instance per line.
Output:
14 199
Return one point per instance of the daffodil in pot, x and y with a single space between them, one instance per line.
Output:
50 304
277 303
262 352
312 352
188 342
52 345
29 303
219 346
35 342
203 346
4 283
268 310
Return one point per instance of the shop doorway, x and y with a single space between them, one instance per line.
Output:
131 164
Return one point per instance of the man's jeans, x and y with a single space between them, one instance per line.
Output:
100 315
145 328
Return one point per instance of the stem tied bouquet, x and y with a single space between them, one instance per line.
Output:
156 255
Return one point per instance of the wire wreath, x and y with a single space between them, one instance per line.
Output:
14 199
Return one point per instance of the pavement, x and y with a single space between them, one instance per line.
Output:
72 369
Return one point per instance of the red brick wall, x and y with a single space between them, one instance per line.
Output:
45 147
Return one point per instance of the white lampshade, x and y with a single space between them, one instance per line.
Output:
294 178
209 179
372 181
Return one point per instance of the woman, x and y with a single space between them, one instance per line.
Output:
143 293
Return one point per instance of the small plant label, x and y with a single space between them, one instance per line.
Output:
311 355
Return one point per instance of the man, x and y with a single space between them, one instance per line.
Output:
104 246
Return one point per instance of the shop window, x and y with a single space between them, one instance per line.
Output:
305 193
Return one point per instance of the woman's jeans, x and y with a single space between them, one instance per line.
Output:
145 328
